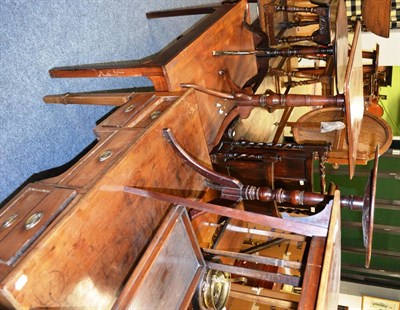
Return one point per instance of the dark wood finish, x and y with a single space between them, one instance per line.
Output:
190 10
316 262
233 189
252 163
319 280
85 229
368 213
276 52
312 274
270 100
339 48
322 13
256 259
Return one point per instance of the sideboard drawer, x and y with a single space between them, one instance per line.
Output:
26 217
151 112
126 112
94 164
139 108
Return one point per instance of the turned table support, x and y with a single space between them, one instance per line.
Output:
272 101
233 189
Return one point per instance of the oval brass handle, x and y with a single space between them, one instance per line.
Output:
130 108
33 220
155 114
11 219
105 155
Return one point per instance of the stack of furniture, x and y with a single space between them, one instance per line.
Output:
131 225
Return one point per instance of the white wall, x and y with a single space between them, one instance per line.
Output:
389 48
351 294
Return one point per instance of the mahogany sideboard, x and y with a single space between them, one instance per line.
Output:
79 240
72 240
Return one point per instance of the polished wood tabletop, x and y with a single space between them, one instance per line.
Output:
328 290
341 46
354 98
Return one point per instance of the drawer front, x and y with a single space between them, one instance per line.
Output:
151 112
20 206
26 217
126 112
96 162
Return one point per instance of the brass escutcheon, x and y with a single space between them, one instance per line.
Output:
105 155
33 220
11 219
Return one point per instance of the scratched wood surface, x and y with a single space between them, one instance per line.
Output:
85 258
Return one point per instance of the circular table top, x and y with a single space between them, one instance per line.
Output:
340 33
354 97
374 131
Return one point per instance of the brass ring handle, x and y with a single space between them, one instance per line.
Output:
105 155
11 219
155 114
129 108
33 220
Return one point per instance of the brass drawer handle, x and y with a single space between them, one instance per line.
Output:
105 155
155 114
33 220
11 219
130 108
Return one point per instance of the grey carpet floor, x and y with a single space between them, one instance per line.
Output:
38 35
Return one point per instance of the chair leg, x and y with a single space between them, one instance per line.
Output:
106 98
190 10
320 36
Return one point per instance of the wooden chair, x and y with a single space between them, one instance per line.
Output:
289 165
306 76
320 12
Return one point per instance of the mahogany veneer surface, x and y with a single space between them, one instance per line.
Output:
86 255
